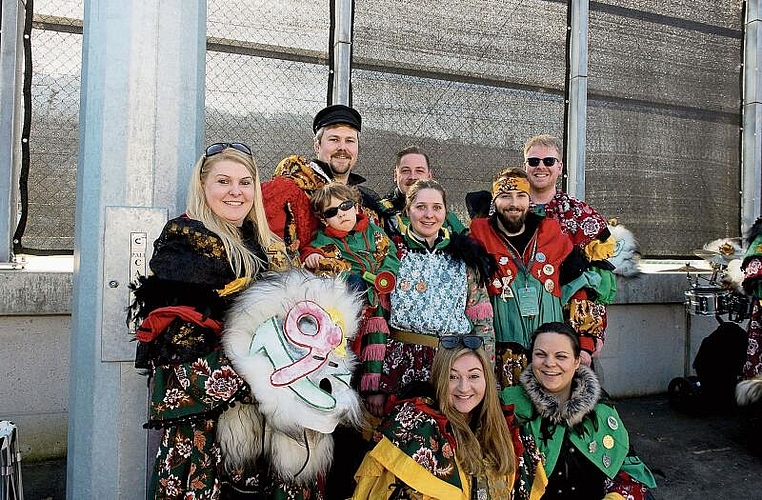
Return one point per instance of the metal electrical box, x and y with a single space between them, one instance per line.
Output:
128 245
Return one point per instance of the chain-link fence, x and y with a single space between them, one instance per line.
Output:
56 39
468 83
266 75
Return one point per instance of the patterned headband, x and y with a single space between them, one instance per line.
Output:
505 184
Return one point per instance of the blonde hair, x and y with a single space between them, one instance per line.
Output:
491 442
323 196
242 261
546 140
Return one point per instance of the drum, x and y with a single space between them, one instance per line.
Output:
707 301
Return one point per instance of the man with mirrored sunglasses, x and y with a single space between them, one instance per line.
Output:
287 195
592 283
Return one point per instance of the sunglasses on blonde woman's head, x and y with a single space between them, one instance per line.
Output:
334 211
219 147
548 161
452 341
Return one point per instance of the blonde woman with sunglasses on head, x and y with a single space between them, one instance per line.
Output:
201 260
453 441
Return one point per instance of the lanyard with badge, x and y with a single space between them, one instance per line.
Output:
527 295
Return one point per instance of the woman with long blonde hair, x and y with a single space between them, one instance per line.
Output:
455 443
201 260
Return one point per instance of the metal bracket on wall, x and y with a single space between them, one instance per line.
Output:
127 244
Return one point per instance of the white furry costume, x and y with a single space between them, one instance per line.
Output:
287 338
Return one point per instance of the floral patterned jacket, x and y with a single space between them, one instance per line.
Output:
192 378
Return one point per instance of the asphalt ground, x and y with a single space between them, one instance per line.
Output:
699 449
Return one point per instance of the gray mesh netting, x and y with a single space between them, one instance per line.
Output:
469 81
663 136
56 39
266 75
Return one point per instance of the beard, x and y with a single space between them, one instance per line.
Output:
512 221
340 165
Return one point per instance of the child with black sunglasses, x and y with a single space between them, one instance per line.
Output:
348 244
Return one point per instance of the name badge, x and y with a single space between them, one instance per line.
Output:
528 303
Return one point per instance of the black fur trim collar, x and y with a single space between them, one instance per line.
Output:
586 391
473 254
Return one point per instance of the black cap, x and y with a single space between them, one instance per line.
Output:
338 113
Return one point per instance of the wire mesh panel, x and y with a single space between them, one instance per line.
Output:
663 136
266 75
469 83
54 136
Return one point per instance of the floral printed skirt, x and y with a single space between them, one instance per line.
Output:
186 400
187 463
753 365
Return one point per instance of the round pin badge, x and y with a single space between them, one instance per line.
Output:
612 422
608 442
503 261
549 286
540 257
548 269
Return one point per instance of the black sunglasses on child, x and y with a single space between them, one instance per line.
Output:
219 147
548 161
452 341
334 211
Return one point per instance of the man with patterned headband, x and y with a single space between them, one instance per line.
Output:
287 195
592 284
525 291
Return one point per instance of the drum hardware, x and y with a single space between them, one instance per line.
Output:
687 268
706 297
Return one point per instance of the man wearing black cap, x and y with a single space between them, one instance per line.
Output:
336 145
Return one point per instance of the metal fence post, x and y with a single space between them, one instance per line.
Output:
341 46
577 124
11 57
751 135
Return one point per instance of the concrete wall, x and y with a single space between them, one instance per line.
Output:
644 351
34 359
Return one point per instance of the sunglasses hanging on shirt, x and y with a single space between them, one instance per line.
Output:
452 341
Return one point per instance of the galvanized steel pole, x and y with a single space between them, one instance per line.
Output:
751 145
577 118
